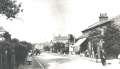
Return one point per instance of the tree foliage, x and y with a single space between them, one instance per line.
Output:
112 40
28 45
59 46
71 38
7 36
9 8
46 48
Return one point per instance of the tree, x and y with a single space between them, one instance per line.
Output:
71 38
27 45
46 48
58 47
112 40
15 40
9 8
7 36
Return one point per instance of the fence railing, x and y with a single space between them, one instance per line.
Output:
7 60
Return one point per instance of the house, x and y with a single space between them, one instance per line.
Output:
60 38
67 40
95 32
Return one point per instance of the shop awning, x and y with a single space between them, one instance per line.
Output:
79 42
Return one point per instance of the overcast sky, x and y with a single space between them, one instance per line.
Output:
43 19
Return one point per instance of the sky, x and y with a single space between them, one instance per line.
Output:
43 19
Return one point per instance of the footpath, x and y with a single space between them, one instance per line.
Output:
109 62
33 65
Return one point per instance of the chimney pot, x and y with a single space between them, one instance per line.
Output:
103 17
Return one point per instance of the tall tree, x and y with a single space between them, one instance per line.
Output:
9 8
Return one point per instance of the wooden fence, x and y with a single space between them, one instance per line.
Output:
7 59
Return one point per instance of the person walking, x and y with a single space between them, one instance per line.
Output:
96 55
102 57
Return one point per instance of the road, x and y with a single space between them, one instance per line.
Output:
53 61
49 61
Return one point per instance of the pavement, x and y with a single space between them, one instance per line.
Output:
33 65
112 61
78 62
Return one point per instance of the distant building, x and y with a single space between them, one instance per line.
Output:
60 38
94 33
66 40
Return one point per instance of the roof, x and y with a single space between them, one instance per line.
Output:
100 23
96 25
79 42
2 29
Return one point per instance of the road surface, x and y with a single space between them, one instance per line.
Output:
53 61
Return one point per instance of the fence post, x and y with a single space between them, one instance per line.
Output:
6 61
13 59
1 64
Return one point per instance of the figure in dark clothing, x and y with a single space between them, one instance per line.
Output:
102 57
96 55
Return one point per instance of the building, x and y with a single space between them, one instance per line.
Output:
67 40
60 38
95 32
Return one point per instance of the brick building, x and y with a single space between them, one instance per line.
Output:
95 32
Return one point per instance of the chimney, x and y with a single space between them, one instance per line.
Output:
103 17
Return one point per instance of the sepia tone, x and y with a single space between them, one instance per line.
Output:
59 34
